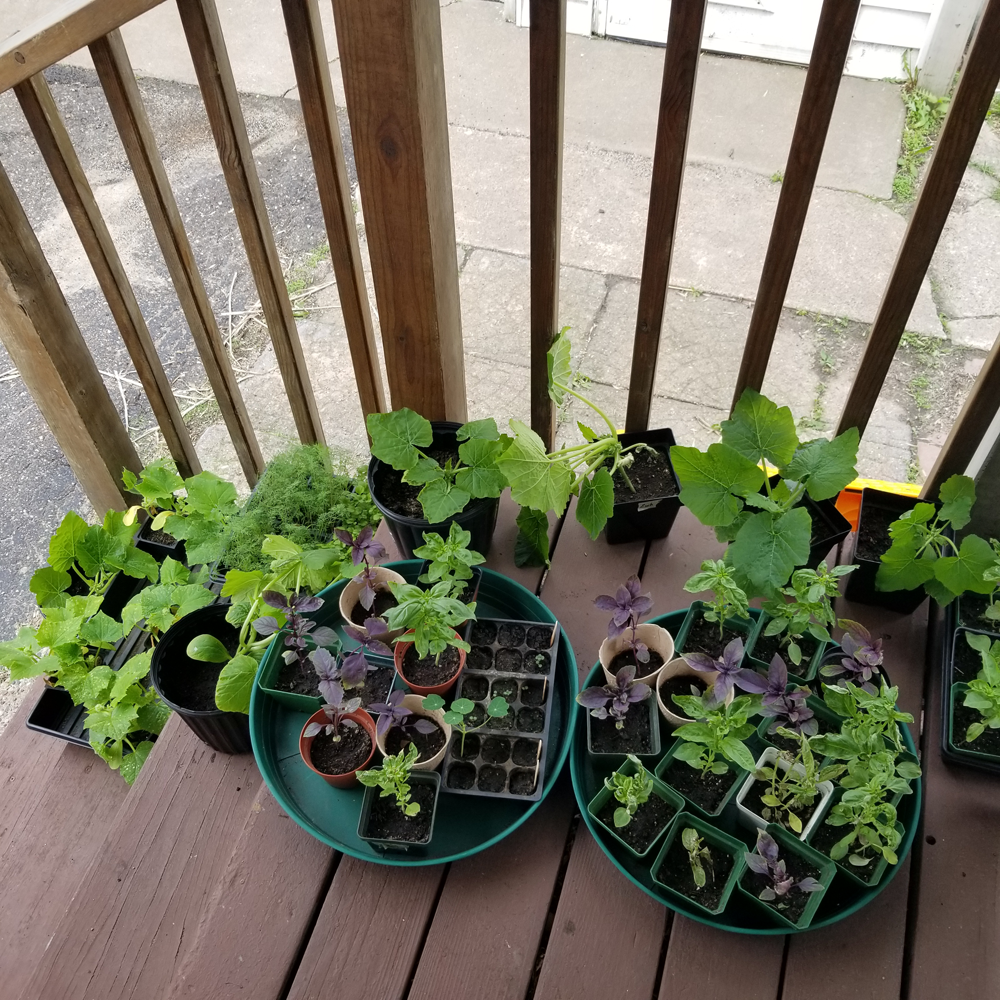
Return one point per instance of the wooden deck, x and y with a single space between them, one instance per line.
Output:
194 884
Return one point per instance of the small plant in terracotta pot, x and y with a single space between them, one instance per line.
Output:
431 654
646 647
404 721
367 594
339 739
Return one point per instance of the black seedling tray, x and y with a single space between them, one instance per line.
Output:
526 690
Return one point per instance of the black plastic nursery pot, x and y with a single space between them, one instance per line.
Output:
878 510
479 517
159 544
120 591
651 515
373 800
185 685
742 628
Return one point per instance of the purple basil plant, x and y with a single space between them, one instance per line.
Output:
364 549
392 712
777 882
786 706
622 694
731 674
627 607
302 632
861 660
335 709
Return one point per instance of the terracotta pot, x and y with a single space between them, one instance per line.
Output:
679 668
654 636
348 780
352 591
400 651
414 703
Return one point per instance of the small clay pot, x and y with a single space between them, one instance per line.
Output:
351 593
680 668
654 636
400 651
414 702
348 780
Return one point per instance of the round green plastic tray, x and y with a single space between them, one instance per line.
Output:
465 824
841 900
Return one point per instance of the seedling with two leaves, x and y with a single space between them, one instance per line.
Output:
459 715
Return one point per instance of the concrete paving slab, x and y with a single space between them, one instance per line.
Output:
968 276
979 332
987 149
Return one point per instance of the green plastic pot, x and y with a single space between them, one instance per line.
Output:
405 846
819 710
989 759
664 766
748 629
806 669
616 759
789 844
714 839
600 800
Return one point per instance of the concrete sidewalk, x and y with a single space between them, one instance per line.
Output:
743 120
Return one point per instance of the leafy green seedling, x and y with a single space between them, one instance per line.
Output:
631 790
984 690
393 777
699 857
458 714
451 560
717 734
792 789
431 615
728 599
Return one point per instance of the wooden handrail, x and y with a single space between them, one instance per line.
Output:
547 84
680 71
68 27
819 95
976 87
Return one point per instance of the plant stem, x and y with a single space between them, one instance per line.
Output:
593 406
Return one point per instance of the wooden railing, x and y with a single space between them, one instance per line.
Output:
391 57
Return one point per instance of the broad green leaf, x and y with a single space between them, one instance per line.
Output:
232 694
589 434
61 627
159 482
280 549
66 540
532 545
737 752
204 539
762 502
441 500
132 762
190 597
152 716
110 752
101 630
211 496
139 564
48 585
690 752
478 430
99 550
769 546
597 502
172 571
425 471
713 482
242 585
72 676
481 478
131 672
394 436
958 494
559 366
535 481
111 723
759 429
97 686
825 467
939 592
902 569
207 649
114 524
974 731
320 567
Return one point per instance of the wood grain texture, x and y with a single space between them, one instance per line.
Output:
390 54
312 73
56 148
673 560
976 87
59 32
262 907
680 70
48 350
369 932
128 928
819 94
484 946
501 557
606 934
118 81
200 20
547 83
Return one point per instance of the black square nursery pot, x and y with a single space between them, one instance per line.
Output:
652 514
373 796
159 544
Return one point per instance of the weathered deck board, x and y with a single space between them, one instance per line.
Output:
501 554
139 905
483 944
675 559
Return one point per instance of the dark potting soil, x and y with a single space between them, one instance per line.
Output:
496 750
703 637
430 670
537 663
504 722
522 782
967 662
427 744
767 645
649 475
987 742
873 533
509 660
825 836
491 779
468 751
794 904
706 791
680 685
626 658
483 634
526 752
400 497
634 737
505 687
347 754
480 658
461 776
298 678
376 686
676 872
539 637
649 820
197 682
972 613
387 821
475 688
531 720
533 692
160 537
383 602
752 801
510 636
